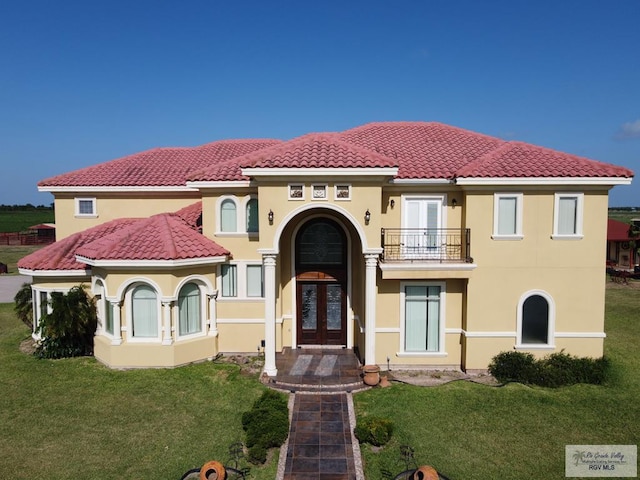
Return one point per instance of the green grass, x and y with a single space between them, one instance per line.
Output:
623 215
10 254
469 431
76 419
20 220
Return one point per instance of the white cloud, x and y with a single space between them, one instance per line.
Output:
629 130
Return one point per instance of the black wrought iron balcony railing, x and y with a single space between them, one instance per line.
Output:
444 245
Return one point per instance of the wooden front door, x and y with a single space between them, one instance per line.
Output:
321 284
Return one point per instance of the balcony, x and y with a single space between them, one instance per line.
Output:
430 246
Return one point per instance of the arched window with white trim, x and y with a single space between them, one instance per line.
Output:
189 310
536 319
252 215
228 216
144 312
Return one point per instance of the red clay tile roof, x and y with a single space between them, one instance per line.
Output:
420 150
313 150
192 215
618 231
61 255
423 150
156 167
518 159
165 236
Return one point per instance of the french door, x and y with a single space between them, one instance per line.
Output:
423 221
321 275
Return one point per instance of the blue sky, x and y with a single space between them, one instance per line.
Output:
84 82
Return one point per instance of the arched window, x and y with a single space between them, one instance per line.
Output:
228 216
252 215
536 318
189 310
144 312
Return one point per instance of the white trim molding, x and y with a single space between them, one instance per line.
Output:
604 181
551 321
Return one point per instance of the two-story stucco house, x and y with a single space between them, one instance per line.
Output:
415 244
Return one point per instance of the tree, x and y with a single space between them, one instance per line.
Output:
68 330
23 305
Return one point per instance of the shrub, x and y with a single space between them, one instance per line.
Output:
374 430
513 367
555 370
266 424
68 330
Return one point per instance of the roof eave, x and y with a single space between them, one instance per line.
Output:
54 273
603 181
153 263
321 171
123 188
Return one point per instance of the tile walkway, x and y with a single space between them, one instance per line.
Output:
321 444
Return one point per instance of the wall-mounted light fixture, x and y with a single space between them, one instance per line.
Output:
454 202
270 217
392 203
367 217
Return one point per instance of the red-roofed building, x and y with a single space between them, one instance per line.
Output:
415 244
622 242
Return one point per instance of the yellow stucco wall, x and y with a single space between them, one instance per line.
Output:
110 206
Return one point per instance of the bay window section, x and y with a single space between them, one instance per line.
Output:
255 282
189 310
229 278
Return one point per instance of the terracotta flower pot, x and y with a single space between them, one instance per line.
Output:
425 472
371 375
213 470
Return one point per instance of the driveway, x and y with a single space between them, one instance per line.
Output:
9 286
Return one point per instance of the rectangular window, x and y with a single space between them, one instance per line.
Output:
342 192
318 192
86 207
229 274
296 191
507 216
108 321
255 283
568 213
422 323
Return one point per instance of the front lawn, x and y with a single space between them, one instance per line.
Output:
469 431
76 419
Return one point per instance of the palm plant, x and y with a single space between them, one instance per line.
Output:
23 305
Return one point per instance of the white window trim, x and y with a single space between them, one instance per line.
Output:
442 325
438 198
175 314
335 192
325 188
35 299
241 278
551 323
239 214
579 216
518 235
245 203
94 213
290 186
129 309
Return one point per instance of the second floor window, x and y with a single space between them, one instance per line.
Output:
252 215
507 216
228 216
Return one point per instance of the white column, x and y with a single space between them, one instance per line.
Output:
167 339
117 323
213 314
269 263
371 262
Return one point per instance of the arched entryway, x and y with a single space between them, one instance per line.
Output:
321 283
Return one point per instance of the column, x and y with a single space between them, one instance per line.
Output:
371 262
213 314
269 264
117 323
167 339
